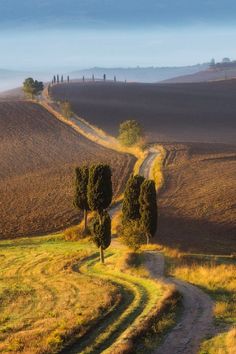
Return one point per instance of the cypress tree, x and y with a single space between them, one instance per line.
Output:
131 206
68 78
81 186
148 208
99 187
62 78
101 232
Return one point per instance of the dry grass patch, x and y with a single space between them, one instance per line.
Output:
216 276
44 302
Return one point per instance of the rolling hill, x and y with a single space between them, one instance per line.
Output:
38 155
197 205
201 112
220 71
139 74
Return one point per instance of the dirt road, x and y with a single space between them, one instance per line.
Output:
196 321
145 168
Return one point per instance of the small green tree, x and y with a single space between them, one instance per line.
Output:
148 208
132 234
101 232
32 87
99 187
66 109
130 133
81 187
131 206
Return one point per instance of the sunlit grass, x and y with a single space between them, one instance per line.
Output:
224 343
215 276
43 301
53 291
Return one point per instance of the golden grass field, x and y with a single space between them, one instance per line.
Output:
54 293
216 276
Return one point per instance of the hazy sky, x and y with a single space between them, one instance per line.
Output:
73 34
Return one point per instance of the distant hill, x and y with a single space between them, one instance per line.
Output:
139 74
220 71
198 112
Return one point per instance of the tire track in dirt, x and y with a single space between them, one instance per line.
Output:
196 322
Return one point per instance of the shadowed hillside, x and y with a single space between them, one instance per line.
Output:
202 112
197 206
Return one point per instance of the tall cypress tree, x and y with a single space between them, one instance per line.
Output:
131 206
101 232
99 187
81 187
148 208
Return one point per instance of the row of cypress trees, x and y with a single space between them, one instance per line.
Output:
140 205
93 192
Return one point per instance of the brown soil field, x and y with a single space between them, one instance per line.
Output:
196 112
197 206
38 155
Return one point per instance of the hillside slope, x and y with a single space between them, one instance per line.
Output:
38 155
205 76
183 112
197 206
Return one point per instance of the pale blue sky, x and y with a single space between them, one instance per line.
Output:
73 34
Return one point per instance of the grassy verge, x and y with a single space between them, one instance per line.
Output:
216 276
157 168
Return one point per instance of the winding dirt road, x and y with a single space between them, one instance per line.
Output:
145 168
196 322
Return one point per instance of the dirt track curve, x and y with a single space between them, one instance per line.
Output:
196 321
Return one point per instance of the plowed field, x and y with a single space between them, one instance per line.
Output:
38 155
